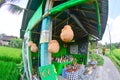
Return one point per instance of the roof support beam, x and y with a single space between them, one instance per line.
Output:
77 21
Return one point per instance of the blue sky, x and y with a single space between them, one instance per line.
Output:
114 10
10 24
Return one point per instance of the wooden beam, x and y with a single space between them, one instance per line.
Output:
84 10
32 32
77 21
90 26
62 21
60 29
58 15
90 20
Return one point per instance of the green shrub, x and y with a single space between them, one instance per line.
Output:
98 58
16 43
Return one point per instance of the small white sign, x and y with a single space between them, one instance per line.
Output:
44 36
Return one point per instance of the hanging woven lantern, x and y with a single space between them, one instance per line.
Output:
67 33
53 46
30 43
34 48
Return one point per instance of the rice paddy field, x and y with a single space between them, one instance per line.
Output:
115 57
10 58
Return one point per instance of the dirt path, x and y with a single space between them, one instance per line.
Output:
108 71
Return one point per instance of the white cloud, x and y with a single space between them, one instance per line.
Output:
10 24
114 26
110 21
115 32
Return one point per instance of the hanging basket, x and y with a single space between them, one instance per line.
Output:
67 33
34 48
30 43
53 46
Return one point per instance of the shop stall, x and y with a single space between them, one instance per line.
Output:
57 34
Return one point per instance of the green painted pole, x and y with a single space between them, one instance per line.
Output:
98 18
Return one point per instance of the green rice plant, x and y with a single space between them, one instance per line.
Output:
9 71
115 57
10 54
7 59
115 61
116 53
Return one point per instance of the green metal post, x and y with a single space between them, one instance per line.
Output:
98 16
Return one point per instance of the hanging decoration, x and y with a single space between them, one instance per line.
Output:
53 46
67 33
34 48
30 43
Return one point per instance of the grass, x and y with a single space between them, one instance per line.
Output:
116 53
10 58
98 58
8 71
10 54
115 57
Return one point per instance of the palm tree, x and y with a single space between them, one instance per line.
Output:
2 2
12 7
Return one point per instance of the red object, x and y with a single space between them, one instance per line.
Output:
103 51
71 70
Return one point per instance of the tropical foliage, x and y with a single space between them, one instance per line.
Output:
16 43
5 1
113 45
99 59
12 7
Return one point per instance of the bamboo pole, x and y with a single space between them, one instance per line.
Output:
45 36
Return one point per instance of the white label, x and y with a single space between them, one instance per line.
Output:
44 36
